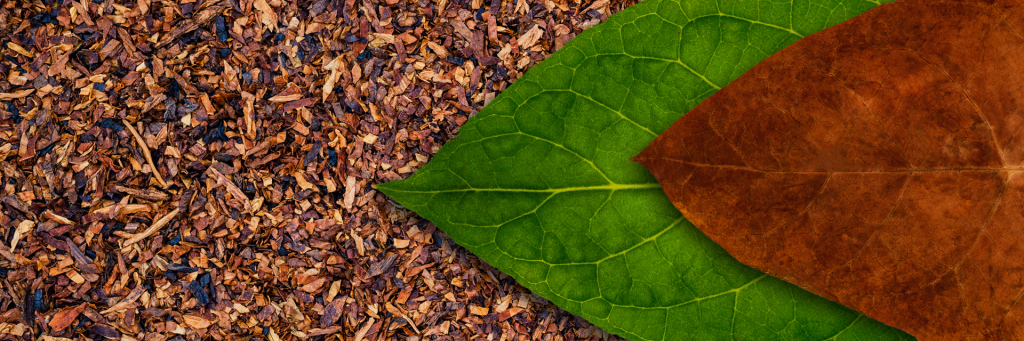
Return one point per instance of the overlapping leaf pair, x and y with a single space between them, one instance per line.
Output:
874 163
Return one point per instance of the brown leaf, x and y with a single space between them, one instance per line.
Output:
505 315
230 186
438 49
17 94
478 310
266 312
335 67
267 15
147 194
379 267
62 319
57 218
325 331
128 300
159 224
83 262
350 192
876 163
105 331
17 204
247 110
141 142
196 321
189 25
19 49
530 37
461 28
24 228
361 333
314 285
332 312
290 93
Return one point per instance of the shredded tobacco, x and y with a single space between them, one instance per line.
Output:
202 169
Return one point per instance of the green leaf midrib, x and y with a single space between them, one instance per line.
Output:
611 187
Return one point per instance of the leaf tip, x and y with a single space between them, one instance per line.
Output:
645 156
387 187
382 187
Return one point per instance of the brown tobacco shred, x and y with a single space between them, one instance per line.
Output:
201 169
145 152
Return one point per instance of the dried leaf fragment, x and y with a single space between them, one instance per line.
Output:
196 322
19 49
527 40
159 224
105 331
291 93
361 333
332 312
230 186
336 66
145 153
479 311
62 319
267 15
147 194
191 24
127 301
23 229
57 218
350 192
17 94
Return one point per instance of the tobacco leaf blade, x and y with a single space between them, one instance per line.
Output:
877 163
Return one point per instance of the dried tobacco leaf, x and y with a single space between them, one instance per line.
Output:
197 322
876 163
105 331
63 318
163 159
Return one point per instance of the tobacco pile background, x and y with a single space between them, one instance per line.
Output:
202 169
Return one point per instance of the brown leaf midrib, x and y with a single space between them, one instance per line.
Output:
699 164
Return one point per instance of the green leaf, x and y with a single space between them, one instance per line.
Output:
539 183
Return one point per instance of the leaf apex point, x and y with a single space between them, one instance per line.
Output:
640 158
383 187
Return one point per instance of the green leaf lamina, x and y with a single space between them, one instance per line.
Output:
539 184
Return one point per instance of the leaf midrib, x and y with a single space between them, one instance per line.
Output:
752 169
609 187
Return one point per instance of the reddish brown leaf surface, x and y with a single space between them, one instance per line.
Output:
62 319
877 164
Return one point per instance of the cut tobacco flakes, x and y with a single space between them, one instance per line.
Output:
877 163
198 170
